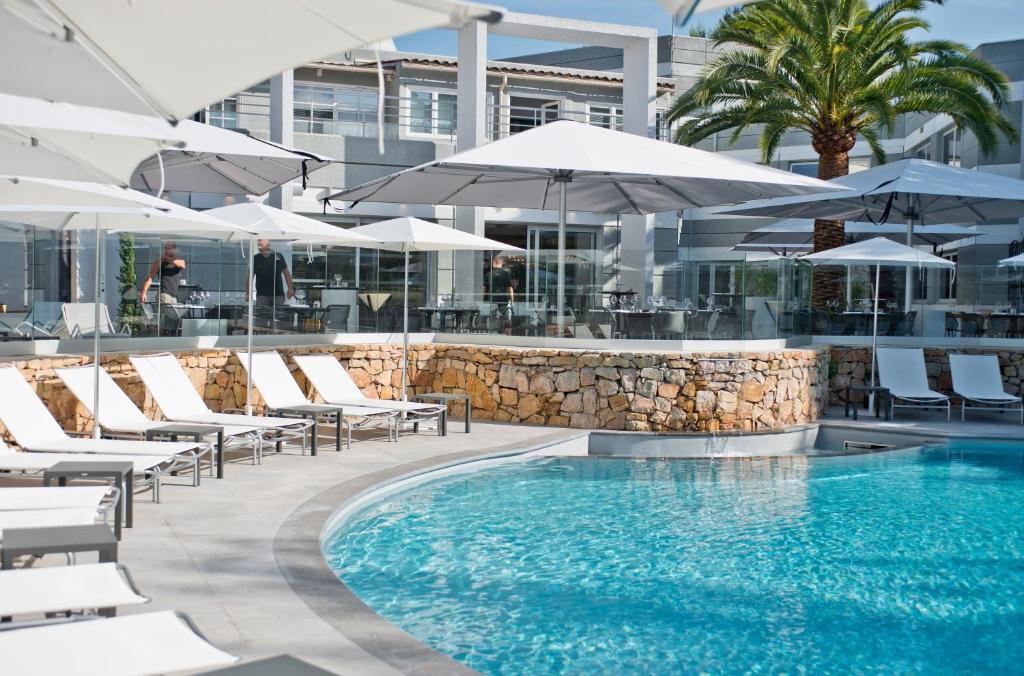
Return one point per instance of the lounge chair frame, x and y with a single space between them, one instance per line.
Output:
937 402
182 459
281 402
132 423
410 413
1008 402
274 433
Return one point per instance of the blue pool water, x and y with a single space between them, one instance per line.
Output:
907 561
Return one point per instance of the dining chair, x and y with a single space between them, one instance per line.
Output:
639 326
335 319
670 325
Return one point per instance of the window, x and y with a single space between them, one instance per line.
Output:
951 148
526 113
224 113
608 117
432 113
663 129
948 278
922 151
314 109
804 168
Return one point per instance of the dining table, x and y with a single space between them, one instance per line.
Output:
448 317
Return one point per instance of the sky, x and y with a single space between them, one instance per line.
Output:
969 21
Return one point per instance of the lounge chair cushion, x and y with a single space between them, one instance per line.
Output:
59 588
903 373
977 377
147 643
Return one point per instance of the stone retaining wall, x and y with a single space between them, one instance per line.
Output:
637 392
562 388
852 365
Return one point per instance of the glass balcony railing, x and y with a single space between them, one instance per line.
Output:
352 112
47 276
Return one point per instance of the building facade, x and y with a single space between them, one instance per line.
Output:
432 106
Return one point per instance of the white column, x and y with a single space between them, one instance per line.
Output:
471 132
282 129
639 91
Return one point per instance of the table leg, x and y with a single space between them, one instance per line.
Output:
220 453
108 553
337 431
129 498
118 515
444 422
314 430
469 413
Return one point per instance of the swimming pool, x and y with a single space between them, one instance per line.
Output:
904 561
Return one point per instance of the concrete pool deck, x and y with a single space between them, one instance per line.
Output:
210 551
241 555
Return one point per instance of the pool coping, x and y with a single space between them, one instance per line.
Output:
298 557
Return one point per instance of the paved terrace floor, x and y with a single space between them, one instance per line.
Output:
208 551
979 424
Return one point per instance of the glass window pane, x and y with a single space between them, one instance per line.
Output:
421 105
446 114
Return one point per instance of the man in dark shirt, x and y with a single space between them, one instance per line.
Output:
499 283
273 280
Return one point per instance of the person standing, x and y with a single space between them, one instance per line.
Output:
502 293
273 280
169 268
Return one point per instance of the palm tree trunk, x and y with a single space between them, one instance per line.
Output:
829 234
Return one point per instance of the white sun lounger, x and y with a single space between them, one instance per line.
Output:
179 401
902 371
26 463
84 587
148 643
35 429
80 320
336 387
283 396
976 379
120 415
47 518
23 498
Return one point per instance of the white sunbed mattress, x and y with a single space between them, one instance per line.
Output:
115 446
147 643
18 498
32 462
59 588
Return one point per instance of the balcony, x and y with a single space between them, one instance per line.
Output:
352 112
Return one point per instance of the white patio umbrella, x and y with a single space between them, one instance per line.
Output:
877 252
797 234
683 10
570 166
1012 261
218 160
78 143
910 191
409 234
148 56
267 222
112 209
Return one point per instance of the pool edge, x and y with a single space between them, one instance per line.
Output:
297 553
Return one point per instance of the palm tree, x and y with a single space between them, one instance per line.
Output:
839 71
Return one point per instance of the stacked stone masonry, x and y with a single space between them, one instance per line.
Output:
560 388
